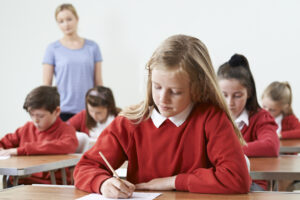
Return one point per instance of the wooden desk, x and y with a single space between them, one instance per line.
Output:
285 167
17 166
66 193
290 146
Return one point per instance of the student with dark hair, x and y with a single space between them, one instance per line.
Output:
257 125
99 113
46 134
277 99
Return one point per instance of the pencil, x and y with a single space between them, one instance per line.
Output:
109 166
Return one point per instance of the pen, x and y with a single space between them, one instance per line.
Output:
109 166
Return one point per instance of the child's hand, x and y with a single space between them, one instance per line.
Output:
116 188
167 183
8 152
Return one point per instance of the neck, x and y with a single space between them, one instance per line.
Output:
71 38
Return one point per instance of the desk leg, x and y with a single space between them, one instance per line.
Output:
271 185
52 175
4 181
15 180
64 176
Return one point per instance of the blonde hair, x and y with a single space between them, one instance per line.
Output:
280 92
69 7
185 54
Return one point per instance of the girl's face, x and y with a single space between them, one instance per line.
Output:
235 95
273 107
67 22
99 113
170 91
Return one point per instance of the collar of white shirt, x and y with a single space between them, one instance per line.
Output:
178 119
242 119
278 121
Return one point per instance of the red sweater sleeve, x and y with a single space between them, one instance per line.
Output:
228 172
60 139
11 140
265 140
91 170
78 122
290 127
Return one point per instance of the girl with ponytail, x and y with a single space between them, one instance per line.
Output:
256 125
277 99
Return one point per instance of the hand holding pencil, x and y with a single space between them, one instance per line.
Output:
115 187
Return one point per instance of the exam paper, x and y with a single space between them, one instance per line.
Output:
135 195
4 157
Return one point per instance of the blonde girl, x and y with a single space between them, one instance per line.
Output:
277 99
180 137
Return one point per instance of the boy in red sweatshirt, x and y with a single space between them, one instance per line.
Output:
46 134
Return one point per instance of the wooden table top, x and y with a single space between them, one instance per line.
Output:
284 167
289 146
66 193
24 165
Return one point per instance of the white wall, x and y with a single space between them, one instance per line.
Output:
128 31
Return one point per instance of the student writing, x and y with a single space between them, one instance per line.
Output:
277 99
99 113
180 137
46 134
257 125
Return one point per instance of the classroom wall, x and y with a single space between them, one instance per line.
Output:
128 31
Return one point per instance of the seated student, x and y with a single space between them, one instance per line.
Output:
99 113
277 99
46 134
180 137
257 125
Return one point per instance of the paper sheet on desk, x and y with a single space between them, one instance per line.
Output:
4 157
135 195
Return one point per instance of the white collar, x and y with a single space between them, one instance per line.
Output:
178 119
278 121
242 119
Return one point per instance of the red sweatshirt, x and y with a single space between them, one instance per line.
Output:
260 135
78 121
203 152
60 138
290 127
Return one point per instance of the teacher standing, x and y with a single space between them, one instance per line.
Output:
74 61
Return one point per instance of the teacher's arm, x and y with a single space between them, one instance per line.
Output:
48 71
98 74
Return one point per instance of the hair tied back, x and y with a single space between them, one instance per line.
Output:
238 60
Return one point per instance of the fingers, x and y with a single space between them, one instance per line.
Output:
116 188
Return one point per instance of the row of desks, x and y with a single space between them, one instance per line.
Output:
65 193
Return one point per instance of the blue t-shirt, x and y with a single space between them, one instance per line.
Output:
73 71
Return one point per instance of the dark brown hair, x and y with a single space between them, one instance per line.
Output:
46 97
238 68
100 96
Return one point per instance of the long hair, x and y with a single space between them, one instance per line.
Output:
280 92
238 68
188 55
100 96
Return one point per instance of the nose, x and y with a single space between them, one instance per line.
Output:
230 101
164 96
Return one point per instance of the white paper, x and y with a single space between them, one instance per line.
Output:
135 195
4 157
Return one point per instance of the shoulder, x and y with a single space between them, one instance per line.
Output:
90 43
54 45
261 116
207 109
290 118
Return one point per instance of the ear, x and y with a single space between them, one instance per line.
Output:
57 111
285 107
